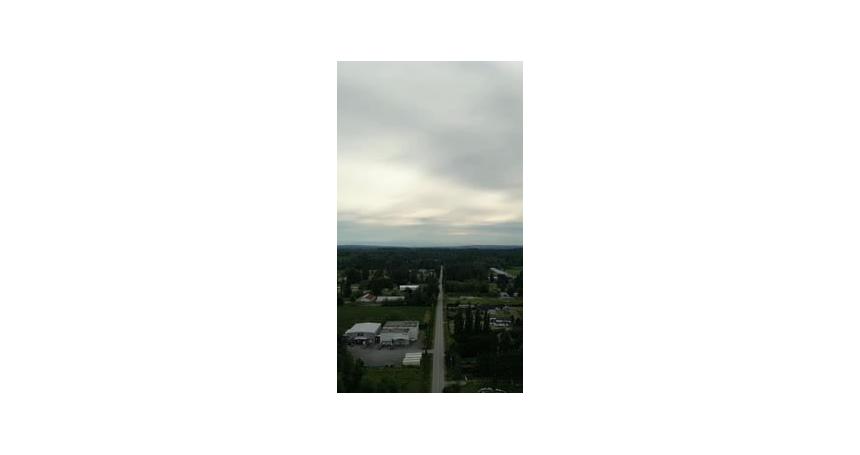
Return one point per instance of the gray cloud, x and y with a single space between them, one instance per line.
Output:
429 143
463 119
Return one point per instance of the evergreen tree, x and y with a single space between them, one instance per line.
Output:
357 374
505 343
470 322
502 281
346 289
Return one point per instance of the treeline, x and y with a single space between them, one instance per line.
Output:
471 287
466 270
377 281
482 287
460 264
485 353
423 296
350 371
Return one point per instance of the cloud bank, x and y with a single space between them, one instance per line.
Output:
429 153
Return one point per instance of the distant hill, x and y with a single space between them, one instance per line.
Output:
366 247
490 247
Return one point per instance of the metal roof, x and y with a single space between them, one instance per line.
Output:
400 324
364 327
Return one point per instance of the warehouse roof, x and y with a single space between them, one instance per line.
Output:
364 327
394 324
500 272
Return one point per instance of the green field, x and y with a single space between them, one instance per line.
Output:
514 271
347 315
408 379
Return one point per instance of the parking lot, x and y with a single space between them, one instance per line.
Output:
373 356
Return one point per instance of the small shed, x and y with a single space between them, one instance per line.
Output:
412 359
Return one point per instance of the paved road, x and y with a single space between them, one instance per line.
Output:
439 340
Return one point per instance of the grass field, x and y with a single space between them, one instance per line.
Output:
347 315
514 271
410 379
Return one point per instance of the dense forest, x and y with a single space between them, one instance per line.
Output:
479 351
466 269
461 264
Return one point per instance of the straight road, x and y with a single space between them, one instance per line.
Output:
439 340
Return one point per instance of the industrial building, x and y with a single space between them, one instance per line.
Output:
398 333
362 333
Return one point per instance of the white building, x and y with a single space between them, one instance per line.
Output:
390 299
411 287
497 272
399 332
499 323
394 338
412 359
366 298
363 332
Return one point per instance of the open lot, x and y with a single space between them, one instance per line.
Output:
375 357
347 315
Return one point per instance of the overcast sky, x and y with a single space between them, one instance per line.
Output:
429 153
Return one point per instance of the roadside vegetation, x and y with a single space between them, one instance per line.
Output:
481 354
